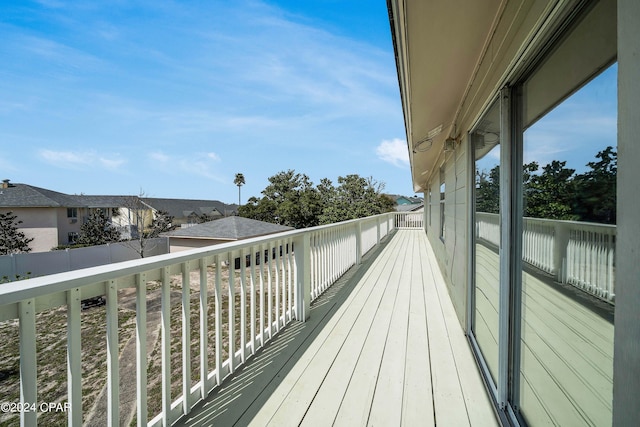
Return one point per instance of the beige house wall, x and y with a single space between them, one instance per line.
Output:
177 244
41 224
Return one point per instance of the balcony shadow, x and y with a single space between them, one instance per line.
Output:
241 396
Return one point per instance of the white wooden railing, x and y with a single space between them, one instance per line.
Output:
278 277
578 253
409 220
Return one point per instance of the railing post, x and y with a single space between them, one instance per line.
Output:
560 244
358 242
378 231
302 256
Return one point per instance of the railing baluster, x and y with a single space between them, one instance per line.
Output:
204 331
28 361
141 348
269 292
243 308
74 357
232 313
262 301
165 317
186 339
113 352
218 314
290 277
252 267
277 288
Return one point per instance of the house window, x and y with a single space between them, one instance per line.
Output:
442 193
72 237
72 213
430 201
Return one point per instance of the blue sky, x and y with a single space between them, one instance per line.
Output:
575 130
174 98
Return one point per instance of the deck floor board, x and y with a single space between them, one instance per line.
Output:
383 346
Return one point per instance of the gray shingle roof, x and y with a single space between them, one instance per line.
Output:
23 195
182 208
231 228
105 201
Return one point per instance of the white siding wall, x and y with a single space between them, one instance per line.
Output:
452 253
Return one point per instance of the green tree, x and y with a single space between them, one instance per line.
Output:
12 240
355 197
162 222
488 191
595 190
97 230
239 181
550 193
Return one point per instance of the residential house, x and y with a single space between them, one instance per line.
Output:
49 217
189 211
223 230
53 219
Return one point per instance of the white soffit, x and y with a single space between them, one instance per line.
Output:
445 40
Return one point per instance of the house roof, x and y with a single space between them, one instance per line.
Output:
230 228
24 195
410 208
414 200
105 201
182 208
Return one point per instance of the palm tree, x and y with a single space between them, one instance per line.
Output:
239 181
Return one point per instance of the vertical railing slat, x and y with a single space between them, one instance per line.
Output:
252 267
28 361
218 314
232 313
262 301
204 331
165 351
243 307
141 348
186 339
74 357
113 353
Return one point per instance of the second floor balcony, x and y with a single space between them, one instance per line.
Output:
347 324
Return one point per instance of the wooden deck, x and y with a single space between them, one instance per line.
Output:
383 347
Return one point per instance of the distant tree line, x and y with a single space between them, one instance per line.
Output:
291 199
556 192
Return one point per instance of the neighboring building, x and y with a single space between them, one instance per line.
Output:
419 207
187 211
220 231
49 217
53 219
479 81
404 200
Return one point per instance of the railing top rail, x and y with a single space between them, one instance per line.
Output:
577 224
13 292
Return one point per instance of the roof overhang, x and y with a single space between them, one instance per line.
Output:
452 58
438 46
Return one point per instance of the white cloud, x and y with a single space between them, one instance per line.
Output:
81 159
394 152
214 157
159 157
199 164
